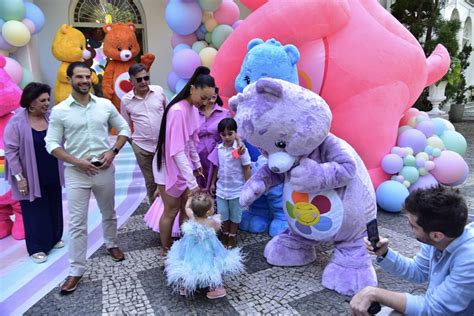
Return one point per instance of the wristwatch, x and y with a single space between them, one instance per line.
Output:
19 177
115 150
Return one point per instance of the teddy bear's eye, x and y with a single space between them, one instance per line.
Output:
280 144
119 49
129 47
247 79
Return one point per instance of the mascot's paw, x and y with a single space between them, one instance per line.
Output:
147 59
277 226
288 251
307 169
348 280
5 228
253 223
251 192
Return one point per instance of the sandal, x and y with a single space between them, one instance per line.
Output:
216 293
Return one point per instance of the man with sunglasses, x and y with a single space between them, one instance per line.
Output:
438 218
143 109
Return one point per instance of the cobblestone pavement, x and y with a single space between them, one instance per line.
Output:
137 285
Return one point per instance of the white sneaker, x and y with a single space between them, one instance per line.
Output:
59 244
39 257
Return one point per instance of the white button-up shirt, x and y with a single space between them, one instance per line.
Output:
230 176
145 115
85 129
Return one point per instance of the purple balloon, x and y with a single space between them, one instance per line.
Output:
424 182
3 44
392 163
236 24
185 62
172 80
426 127
414 139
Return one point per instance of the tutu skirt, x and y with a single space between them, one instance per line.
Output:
152 218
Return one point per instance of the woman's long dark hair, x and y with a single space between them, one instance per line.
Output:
200 79
219 100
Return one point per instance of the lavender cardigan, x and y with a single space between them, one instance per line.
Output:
20 156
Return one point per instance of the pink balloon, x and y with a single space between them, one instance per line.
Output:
29 25
227 13
185 62
14 70
462 179
450 167
409 114
180 39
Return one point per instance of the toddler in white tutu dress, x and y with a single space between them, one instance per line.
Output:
198 259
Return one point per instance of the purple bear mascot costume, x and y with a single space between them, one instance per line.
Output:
327 196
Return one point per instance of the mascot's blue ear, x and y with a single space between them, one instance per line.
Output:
292 52
255 42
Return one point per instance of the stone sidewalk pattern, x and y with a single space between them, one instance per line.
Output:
138 286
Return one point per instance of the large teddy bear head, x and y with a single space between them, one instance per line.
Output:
69 45
284 120
120 42
268 59
9 91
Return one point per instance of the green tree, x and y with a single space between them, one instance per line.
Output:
423 19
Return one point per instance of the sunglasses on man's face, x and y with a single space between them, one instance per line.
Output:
140 79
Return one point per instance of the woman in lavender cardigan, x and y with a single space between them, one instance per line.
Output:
34 175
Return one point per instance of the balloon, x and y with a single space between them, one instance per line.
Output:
177 39
227 13
169 94
236 24
409 160
426 127
422 155
220 34
201 32
206 15
14 70
424 182
392 163
209 5
4 53
435 142
412 138
391 195
2 21
208 56
210 24
16 33
429 165
454 141
422 171
30 25
436 152
179 47
34 14
208 38
396 150
27 78
172 79
439 126
183 17
4 44
180 85
410 174
198 46
410 113
12 10
449 125
185 62
462 179
403 128
450 167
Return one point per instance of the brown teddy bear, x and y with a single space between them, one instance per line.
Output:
121 46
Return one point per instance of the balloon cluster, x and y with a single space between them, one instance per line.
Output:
428 152
199 28
18 21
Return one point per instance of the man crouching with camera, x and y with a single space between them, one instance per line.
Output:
437 217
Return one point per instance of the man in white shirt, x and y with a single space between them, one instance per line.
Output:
143 109
82 121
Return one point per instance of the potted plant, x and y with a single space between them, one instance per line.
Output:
458 88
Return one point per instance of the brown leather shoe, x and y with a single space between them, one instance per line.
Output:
70 284
232 242
116 254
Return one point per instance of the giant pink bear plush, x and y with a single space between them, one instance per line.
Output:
365 64
10 98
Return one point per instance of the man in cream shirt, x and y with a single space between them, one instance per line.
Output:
82 122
